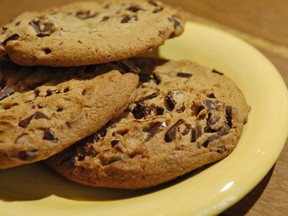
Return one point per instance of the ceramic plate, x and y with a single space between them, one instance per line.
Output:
35 190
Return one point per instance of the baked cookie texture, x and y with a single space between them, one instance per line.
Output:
44 110
185 116
84 33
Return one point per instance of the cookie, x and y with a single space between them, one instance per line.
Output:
185 116
85 33
43 110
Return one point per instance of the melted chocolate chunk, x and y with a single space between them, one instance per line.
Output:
184 75
196 133
5 92
37 115
228 111
49 135
217 72
222 132
27 155
11 38
141 110
171 132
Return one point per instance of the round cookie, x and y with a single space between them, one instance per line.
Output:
85 33
44 110
185 116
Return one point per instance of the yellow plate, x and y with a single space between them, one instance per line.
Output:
35 190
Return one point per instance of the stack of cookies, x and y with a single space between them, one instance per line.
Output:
75 93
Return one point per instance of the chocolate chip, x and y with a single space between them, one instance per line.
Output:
87 151
5 92
157 10
18 23
149 97
209 105
186 130
175 21
134 8
228 111
169 99
105 18
153 2
211 95
85 15
126 19
37 115
171 132
27 155
3 30
36 26
211 120
48 27
221 149
11 38
47 50
42 35
184 75
181 109
40 115
157 78
162 33
128 66
155 128
217 72
144 77
196 133
49 135
222 132
114 143
159 110
141 110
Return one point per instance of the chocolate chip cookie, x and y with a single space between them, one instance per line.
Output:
85 33
185 116
43 110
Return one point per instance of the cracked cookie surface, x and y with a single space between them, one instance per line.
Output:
85 33
185 116
44 110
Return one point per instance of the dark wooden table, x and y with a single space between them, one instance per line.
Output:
263 23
